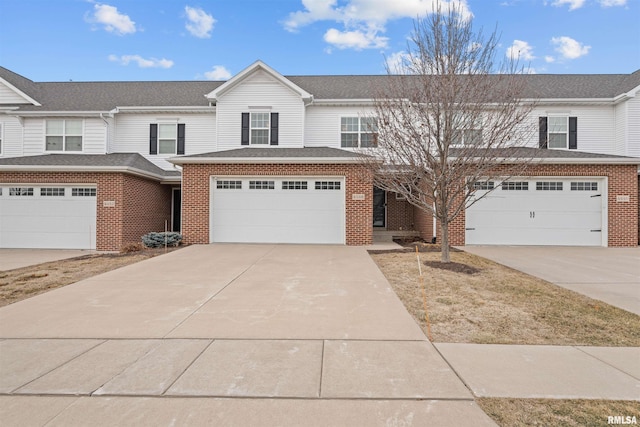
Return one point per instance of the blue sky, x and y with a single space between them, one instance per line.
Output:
86 40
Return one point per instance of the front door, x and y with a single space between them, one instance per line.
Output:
379 207
177 209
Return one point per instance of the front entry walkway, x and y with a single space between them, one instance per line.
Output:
229 335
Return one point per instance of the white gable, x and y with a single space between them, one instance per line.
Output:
262 73
9 95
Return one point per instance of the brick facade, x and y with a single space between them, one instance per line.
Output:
622 216
400 214
141 205
196 180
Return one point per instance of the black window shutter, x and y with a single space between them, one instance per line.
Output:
153 139
245 129
181 130
573 133
274 129
542 140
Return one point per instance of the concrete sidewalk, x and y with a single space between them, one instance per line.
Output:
546 372
227 334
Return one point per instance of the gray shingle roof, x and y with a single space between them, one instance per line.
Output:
105 96
543 153
278 152
96 161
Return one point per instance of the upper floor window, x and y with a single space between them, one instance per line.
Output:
259 128
558 132
167 138
358 132
63 135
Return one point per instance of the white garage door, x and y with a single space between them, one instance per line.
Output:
278 210
48 217
561 211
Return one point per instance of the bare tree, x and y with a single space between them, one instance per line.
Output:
448 118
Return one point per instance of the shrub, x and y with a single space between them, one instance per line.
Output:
131 247
157 240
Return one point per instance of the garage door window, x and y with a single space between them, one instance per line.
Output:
262 185
21 191
515 186
52 192
483 185
327 185
229 185
294 185
584 186
83 192
549 186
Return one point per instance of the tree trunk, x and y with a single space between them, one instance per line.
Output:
444 252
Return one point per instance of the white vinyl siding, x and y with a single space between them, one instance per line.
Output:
132 134
633 127
322 124
34 134
260 93
9 96
11 137
595 126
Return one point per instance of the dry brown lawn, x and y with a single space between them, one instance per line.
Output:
499 305
22 283
547 412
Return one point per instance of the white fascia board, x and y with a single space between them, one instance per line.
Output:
20 93
67 168
262 160
573 161
363 101
58 113
572 101
237 79
177 109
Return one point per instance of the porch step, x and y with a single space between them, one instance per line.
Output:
382 236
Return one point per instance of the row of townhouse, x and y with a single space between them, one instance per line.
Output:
268 158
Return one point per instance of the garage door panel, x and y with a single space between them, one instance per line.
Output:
537 217
277 215
49 222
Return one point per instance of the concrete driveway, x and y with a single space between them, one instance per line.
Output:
230 335
611 275
17 258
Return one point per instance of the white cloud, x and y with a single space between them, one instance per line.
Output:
569 48
363 20
200 23
142 62
573 4
520 50
549 59
113 21
357 39
218 72
396 63
611 3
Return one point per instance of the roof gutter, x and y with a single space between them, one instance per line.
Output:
100 169
262 160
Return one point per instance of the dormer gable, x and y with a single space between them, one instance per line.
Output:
258 71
